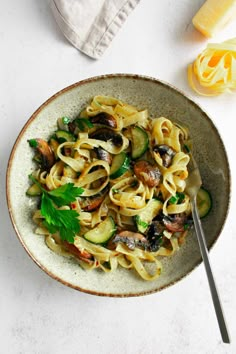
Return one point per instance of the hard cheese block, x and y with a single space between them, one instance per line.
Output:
214 15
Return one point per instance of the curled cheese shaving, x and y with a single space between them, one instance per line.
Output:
214 70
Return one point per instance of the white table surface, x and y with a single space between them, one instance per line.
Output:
40 315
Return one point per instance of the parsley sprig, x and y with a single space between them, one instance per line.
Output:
65 222
177 199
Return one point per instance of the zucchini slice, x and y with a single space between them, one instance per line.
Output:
120 164
34 190
204 202
101 233
143 219
139 142
62 136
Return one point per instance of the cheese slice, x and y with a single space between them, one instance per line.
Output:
214 15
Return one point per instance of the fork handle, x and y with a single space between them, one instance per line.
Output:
214 292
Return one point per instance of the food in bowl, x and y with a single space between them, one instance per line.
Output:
111 184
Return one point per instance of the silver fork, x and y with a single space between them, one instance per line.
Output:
193 184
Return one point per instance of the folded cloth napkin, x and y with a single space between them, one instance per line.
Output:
90 25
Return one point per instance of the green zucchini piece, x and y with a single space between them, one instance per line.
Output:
120 164
101 233
139 142
34 190
145 217
63 136
204 202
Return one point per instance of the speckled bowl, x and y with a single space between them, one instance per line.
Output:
161 99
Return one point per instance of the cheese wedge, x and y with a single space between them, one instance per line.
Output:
214 15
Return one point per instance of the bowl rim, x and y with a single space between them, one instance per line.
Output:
32 118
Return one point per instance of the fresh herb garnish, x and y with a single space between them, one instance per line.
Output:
177 199
65 120
33 143
173 200
65 194
65 222
82 123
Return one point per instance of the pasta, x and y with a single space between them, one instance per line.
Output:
132 171
214 70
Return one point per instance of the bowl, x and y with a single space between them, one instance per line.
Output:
161 99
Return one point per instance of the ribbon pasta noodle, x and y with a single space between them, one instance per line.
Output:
214 70
132 170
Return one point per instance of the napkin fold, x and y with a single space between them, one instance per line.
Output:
90 25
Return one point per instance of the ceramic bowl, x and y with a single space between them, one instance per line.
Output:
161 99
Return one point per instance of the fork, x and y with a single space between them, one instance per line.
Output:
193 184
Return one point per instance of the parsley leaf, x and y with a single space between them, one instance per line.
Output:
65 194
65 221
177 199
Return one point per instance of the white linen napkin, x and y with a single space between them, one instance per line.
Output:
90 25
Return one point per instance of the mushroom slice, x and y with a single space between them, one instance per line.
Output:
155 235
175 222
131 239
103 155
166 153
45 151
72 127
147 173
104 118
92 203
105 134
83 255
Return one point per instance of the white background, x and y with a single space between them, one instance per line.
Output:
40 315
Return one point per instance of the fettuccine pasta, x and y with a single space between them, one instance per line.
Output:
214 70
132 170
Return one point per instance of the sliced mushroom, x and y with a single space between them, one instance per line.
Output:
46 153
131 239
166 153
82 255
175 222
106 134
104 118
92 203
147 173
155 235
72 126
103 155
